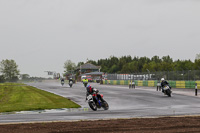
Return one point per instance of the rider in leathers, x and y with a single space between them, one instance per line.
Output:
90 90
70 79
163 83
62 80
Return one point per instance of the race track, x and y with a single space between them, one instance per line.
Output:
123 102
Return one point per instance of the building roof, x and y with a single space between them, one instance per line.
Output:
94 73
89 66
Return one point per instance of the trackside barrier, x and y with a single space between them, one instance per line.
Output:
154 83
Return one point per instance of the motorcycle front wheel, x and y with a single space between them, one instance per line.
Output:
92 106
168 92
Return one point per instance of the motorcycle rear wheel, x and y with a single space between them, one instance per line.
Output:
105 105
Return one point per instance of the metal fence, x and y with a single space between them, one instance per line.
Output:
168 75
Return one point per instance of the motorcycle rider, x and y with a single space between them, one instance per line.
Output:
70 79
90 90
85 81
62 80
163 83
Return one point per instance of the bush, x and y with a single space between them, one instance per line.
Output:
2 79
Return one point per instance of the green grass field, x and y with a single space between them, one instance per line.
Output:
19 97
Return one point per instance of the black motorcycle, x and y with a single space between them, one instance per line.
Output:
95 102
167 90
62 82
70 83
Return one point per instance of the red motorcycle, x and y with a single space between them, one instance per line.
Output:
96 100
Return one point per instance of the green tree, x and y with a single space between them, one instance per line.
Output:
166 64
79 64
154 66
167 59
131 67
92 62
197 64
156 59
69 66
104 68
2 79
183 65
113 61
25 77
141 62
9 70
123 61
114 69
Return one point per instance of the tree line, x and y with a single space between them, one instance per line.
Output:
127 64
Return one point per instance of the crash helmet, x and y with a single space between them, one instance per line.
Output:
96 90
162 79
88 86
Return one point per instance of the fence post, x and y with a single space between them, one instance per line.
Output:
196 89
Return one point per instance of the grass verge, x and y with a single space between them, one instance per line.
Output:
19 97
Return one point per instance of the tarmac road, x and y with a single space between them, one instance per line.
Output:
123 102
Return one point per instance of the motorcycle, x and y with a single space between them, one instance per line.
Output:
94 102
167 90
62 82
70 84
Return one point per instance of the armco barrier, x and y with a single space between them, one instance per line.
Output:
180 84
122 82
126 82
145 83
172 84
198 84
140 83
190 84
153 83
136 83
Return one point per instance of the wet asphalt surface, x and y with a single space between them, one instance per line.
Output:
123 103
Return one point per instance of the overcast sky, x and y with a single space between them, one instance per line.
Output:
40 35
